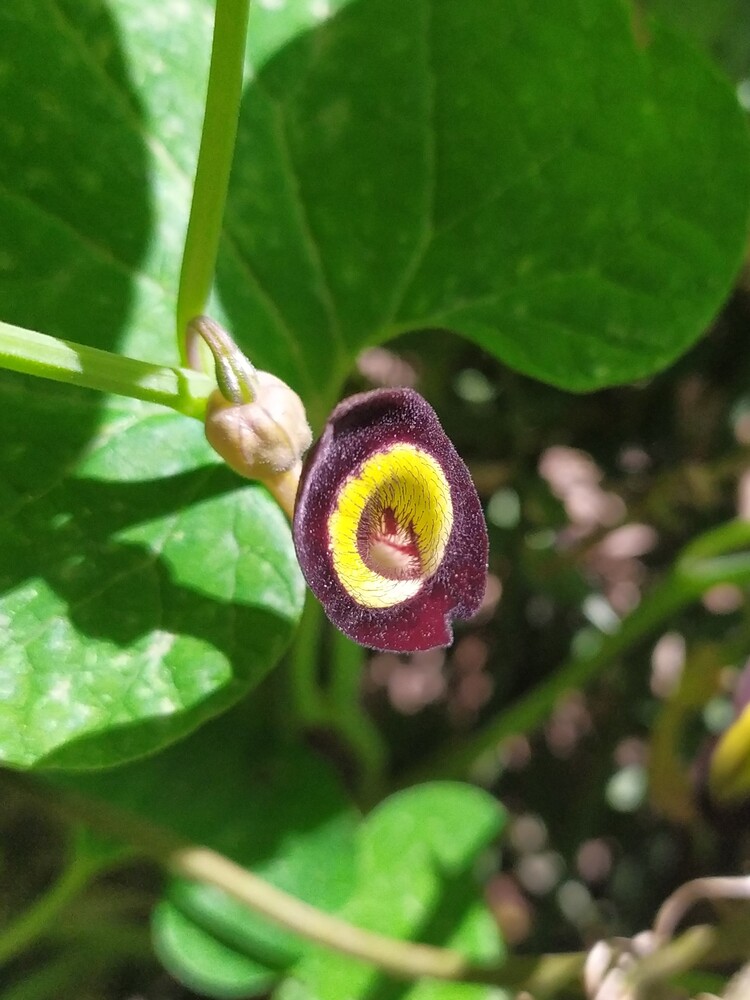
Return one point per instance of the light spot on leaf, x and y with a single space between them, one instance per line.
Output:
320 9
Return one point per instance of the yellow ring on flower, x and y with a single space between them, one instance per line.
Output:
390 526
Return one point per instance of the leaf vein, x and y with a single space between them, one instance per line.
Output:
96 249
294 181
430 188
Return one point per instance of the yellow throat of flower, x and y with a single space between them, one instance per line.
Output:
390 525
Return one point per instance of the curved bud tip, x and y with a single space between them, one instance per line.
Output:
388 526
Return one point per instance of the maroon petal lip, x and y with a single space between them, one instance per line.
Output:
388 527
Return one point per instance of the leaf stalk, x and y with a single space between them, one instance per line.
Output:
215 156
33 353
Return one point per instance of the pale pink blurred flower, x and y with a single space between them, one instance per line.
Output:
413 685
633 459
491 599
527 833
594 860
631 751
385 368
742 428
471 654
667 663
568 724
511 909
743 495
629 541
723 599
575 479
515 753
474 691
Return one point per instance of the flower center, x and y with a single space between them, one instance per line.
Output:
389 526
387 545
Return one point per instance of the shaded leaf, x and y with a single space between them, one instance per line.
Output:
202 962
417 852
132 612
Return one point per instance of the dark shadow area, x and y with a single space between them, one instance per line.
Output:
75 213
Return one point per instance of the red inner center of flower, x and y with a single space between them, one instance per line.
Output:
387 546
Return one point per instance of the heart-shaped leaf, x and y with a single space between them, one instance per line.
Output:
132 611
564 185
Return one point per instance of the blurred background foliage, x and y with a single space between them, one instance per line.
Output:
589 499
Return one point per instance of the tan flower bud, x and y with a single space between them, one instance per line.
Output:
264 439
268 435
253 420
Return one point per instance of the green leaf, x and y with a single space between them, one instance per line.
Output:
278 811
566 188
570 193
143 589
131 611
202 962
417 853
721 28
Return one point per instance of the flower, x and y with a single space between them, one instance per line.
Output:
388 526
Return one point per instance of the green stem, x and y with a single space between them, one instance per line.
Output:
38 354
348 716
708 560
403 959
214 163
182 858
307 698
87 956
59 976
337 704
32 924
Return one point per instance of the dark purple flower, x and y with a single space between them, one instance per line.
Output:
388 526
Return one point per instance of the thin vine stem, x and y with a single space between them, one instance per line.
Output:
33 353
543 975
718 556
192 861
348 716
306 696
214 163
712 888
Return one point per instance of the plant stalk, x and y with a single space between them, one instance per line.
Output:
182 858
33 353
215 156
545 975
